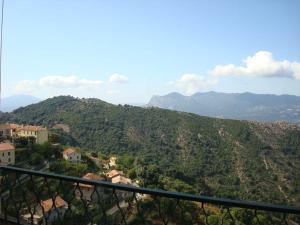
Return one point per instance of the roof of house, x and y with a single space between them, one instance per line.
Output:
6 146
9 126
121 180
33 128
48 204
114 173
91 176
69 151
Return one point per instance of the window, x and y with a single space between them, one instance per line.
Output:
9 159
8 153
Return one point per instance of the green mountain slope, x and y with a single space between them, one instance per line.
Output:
182 151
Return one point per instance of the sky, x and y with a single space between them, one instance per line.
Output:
127 51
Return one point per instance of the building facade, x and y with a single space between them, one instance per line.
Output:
10 131
39 133
71 155
87 191
47 212
7 154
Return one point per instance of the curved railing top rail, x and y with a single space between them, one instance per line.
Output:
161 193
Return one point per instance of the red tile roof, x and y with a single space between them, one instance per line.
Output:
6 147
48 204
33 128
90 176
114 173
121 180
69 151
9 126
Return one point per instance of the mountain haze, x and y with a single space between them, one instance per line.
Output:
182 151
245 106
11 103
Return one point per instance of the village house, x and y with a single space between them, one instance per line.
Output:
39 133
7 154
51 212
7 131
87 191
121 180
71 155
113 173
118 177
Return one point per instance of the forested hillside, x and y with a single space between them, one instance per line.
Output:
182 151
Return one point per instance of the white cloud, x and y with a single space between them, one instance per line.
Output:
56 82
261 64
117 78
192 83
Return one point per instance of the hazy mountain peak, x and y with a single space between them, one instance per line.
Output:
247 105
11 103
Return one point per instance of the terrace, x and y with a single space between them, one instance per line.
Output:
24 194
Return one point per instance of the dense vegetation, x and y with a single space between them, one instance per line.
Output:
180 151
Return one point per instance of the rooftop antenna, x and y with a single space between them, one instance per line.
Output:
1 41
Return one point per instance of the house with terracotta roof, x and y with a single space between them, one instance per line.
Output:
8 130
7 154
87 191
38 132
47 211
121 180
113 173
118 177
71 155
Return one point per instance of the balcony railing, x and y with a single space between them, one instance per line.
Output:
31 197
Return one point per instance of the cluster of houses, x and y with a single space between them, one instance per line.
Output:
54 208
115 176
49 210
8 132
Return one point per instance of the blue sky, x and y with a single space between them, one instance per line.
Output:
127 51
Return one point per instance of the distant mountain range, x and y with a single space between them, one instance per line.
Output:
13 102
245 106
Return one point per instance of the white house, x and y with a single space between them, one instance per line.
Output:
7 154
71 155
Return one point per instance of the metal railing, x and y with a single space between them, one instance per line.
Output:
32 197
